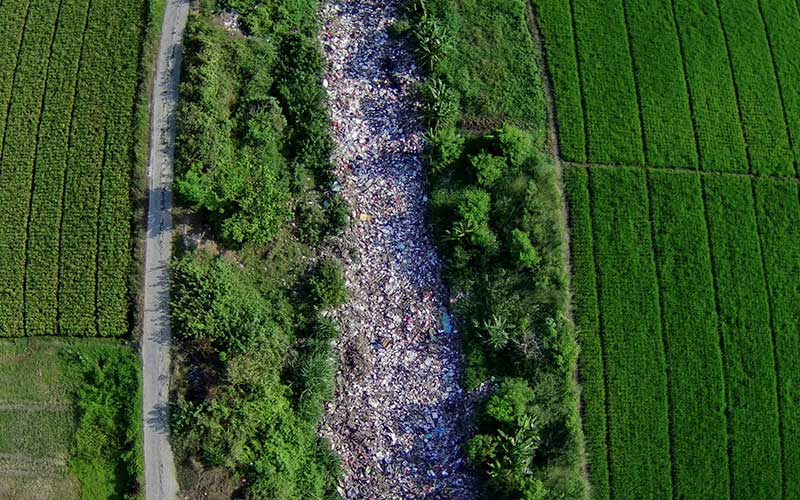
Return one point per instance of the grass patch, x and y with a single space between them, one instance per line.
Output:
496 208
491 62
86 418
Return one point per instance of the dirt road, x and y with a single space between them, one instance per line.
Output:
160 478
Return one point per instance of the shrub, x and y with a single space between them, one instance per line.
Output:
474 207
399 29
488 168
325 329
327 285
438 104
516 144
444 147
506 448
431 42
338 215
510 403
523 250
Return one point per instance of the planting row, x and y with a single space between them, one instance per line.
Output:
687 317
65 167
675 82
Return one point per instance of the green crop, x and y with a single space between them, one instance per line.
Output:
631 332
694 361
744 318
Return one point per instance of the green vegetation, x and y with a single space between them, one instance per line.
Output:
755 450
635 365
591 364
613 131
708 71
41 278
67 103
555 22
778 217
496 210
684 282
781 19
691 337
663 99
16 163
759 100
248 415
248 305
75 423
489 59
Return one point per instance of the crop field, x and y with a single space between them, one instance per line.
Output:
708 84
688 308
678 121
68 77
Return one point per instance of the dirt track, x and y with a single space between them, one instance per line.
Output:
160 478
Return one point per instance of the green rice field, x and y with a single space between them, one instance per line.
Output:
678 125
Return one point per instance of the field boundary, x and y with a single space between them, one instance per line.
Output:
98 225
23 465
689 93
636 83
686 170
773 339
736 90
581 85
726 389
14 81
32 406
555 147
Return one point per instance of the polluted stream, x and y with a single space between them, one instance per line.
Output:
399 416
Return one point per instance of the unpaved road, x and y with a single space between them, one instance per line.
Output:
159 474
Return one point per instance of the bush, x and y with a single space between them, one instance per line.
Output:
253 163
474 207
508 443
338 215
431 42
325 329
523 250
444 147
438 104
488 168
516 144
327 285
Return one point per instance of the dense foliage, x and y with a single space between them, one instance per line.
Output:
67 115
496 209
105 455
257 388
252 121
248 310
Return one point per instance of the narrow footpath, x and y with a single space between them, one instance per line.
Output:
159 475
399 417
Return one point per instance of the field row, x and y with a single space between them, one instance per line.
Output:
680 83
69 76
687 311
